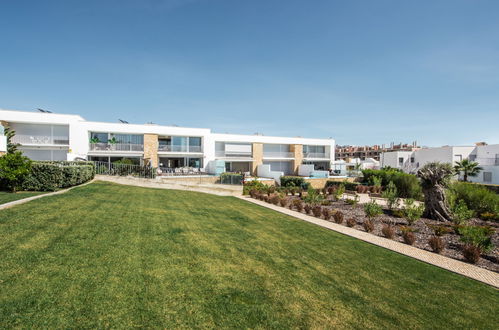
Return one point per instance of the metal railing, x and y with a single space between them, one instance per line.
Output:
180 171
179 148
40 139
280 154
105 168
316 155
102 146
233 154
232 178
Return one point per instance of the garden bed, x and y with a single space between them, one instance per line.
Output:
421 228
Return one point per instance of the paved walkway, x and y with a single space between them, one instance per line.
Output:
456 266
210 188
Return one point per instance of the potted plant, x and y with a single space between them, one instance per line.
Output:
112 143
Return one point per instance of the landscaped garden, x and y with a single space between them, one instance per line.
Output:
107 255
470 233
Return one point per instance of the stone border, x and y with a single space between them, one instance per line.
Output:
453 265
28 199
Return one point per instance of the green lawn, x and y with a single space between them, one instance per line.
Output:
106 255
6 197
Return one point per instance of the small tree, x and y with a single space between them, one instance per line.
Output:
391 196
14 167
11 146
434 178
468 168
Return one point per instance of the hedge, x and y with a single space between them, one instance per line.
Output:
476 197
352 186
50 176
294 181
408 185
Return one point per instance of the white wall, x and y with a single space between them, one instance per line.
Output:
3 143
305 170
392 158
265 172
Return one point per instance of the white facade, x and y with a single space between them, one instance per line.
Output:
47 136
487 156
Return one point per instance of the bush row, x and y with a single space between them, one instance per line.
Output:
294 181
483 202
408 185
50 176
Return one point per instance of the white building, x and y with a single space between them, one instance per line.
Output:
48 136
487 157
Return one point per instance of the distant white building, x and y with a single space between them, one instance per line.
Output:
349 166
485 155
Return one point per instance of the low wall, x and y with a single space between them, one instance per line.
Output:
319 183
189 179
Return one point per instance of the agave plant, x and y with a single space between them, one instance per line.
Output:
434 178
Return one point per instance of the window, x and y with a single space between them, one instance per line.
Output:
458 158
487 176
195 141
401 160
280 167
412 160
472 158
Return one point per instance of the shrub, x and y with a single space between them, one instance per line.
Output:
283 202
391 196
353 201
266 198
313 197
50 176
375 181
408 235
14 168
351 222
294 181
437 244
480 237
307 208
407 184
362 189
368 225
372 209
298 204
338 217
476 197
461 213
388 231
348 185
326 213
317 211
253 185
471 253
412 212
440 230
339 191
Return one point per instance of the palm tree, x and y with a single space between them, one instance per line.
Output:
434 177
468 168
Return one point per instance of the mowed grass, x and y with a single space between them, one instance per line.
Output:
6 196
106 255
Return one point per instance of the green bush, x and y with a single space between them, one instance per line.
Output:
50 176
477 198
408 185
294 181
411 211
461 213
14 167
372 209
391 195
352 186
480 237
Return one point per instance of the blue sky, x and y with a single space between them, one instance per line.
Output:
362 72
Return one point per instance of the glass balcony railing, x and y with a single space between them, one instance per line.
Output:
40 140
316 155
102 146
278 154
233 154
179 148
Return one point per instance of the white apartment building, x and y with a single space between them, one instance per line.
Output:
487 156
49 136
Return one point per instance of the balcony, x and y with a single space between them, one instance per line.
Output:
316 155
233 154
180 148
123 147
487 161
40 140
278 154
